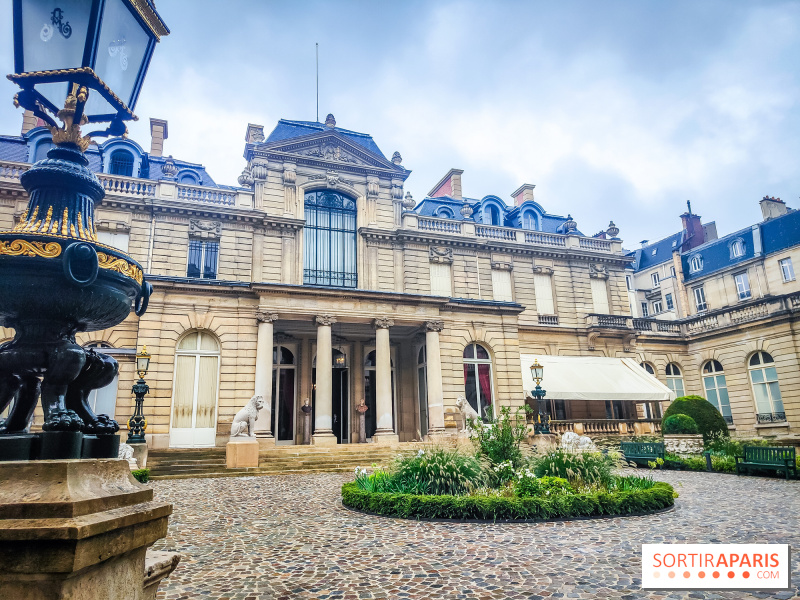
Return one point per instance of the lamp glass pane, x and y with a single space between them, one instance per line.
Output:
54 92
142 363
121 49
54 34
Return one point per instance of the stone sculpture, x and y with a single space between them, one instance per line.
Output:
126 453
244 423
467 412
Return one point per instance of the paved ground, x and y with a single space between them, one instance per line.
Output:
289 537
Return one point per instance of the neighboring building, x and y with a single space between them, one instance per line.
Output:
320 253
722 316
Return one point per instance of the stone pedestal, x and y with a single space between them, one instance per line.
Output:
75 529
241 452
683 445
140 454
543 442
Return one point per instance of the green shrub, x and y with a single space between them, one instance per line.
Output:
631 483
527 484
499 439
141 475
438 471
495 507
709 422
579 468
679 424
728 446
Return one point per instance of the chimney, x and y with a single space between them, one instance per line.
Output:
158 133
29 121
772 207
449 185
695 234
523 194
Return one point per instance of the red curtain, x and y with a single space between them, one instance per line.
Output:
485 382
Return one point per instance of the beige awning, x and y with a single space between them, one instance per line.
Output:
594 378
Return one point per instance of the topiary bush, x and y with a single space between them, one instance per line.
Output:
679 425
709 421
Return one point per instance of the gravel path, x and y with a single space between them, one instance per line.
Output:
248 538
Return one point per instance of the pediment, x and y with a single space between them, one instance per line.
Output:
329 148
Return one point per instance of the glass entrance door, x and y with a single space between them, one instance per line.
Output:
340 396
283 395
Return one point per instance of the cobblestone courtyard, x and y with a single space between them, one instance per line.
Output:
289 537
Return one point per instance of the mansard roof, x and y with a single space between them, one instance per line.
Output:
286 130
657 253
716 255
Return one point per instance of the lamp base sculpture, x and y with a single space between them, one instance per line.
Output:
73 529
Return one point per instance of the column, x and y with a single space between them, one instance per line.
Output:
263 383
323 418
434 375
383 384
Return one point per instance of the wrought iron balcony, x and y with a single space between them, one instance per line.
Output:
776 417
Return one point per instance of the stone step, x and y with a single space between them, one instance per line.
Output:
249 472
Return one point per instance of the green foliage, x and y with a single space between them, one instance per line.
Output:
527 485
655 464
499 439
579 468
437 470
728 446
497 507
679 424
141 475
631 483
503 472
709 422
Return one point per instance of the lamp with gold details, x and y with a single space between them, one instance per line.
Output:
542 423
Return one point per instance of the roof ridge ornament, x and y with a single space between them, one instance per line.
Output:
330 121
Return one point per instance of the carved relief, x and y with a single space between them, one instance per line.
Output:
434 326
255 134
205 230
383 323
330 152
373 186
290 190
259 171
325 320
332 179
598 272
397 189
541 270
266 317
441 255
502 266
289 174
246 178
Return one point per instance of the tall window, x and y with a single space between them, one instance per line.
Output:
600 296
422 389
441 279
675 380
194 403
501 285
543 290
478 378
657 308
103 401
672 271
121 163
645 312
668 300
529 220
717 389
203 258
742 286
700 299
628 281
787 270
655 279
330 239
648 367
42 148
737 249
696 263
766 390
491 215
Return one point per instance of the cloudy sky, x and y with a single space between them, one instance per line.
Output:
614 110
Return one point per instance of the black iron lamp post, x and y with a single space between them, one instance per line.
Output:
137 423
542 423
83 62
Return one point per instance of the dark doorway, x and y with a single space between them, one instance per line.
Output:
340 399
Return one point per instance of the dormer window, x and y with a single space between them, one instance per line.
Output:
444 213
121 163
491 215
695 263
529 220
42 148
189 179
737 248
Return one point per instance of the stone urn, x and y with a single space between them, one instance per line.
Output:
683 444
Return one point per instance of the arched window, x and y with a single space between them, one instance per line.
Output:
444 213
652 410
478 383
42 148
194 400
491 215
766 389
675 380
737 248
283 394
121 163
695 263
422 389
648 367
330 239
529 220
717 388
189 178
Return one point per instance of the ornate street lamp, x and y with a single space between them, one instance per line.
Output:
55 278
542 424
137 423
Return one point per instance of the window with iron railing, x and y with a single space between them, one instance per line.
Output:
121 163
203 258
330 239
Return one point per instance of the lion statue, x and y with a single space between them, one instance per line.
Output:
244 423
467 412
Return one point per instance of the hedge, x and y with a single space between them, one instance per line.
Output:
709 421
141 475
492 508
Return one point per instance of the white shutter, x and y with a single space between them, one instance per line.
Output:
441 284
600 296
501 285
117 240
543 289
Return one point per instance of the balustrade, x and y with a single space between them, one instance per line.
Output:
595 244
439 225
548 319
496 233
12 170
125 186
545 239
210 195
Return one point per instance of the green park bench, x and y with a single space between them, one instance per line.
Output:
767 457
642 452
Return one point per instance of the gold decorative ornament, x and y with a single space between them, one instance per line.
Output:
47 219
26 248
65 222
120 265
70 133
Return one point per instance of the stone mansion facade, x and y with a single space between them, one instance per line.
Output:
318 280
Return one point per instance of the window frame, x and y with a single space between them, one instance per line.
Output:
674 376
763 367
323 207
645 310
701 305
658 307
742 283
204 247
669 302
655 279
474 360
713 374
786 262
696 263
112 163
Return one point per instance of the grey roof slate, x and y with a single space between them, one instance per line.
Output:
286 130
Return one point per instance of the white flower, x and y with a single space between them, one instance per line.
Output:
420 453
